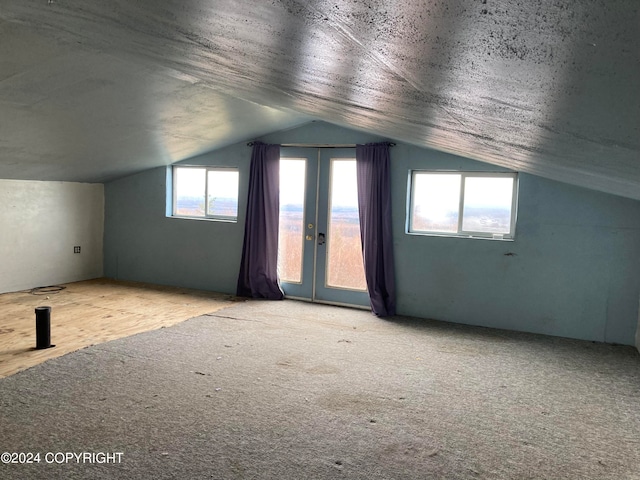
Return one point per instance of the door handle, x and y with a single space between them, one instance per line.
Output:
321 240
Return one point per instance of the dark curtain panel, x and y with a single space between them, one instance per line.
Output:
258 276
374 205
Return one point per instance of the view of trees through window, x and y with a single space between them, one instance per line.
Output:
291 230
344 267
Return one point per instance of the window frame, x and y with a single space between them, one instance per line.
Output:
207 216
460 233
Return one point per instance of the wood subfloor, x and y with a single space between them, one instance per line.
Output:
91 312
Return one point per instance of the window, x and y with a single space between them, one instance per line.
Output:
205 192
465 204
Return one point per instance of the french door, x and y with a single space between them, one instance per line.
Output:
319 249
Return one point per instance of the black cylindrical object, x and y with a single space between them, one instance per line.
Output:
43 327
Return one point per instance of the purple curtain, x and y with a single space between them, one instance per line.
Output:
374 205
258 276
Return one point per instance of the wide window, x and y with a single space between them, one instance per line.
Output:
205 192
466 204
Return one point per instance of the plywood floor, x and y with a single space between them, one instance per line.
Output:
91 312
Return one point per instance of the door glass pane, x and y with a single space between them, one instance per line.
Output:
291 230
436 202
222 188
487 204
344 252
189 186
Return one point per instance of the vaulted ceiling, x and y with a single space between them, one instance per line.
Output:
93 90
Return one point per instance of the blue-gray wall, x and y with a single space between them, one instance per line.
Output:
573 269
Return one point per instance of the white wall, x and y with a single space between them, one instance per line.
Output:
40 223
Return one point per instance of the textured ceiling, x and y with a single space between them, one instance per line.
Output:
94 90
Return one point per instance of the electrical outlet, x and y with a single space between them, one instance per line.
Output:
76 249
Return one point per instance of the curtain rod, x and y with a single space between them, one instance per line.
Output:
320 145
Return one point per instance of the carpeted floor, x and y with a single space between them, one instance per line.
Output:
289 390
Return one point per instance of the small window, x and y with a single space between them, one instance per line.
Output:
205 192
465 204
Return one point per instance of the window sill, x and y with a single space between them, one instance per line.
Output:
206 219
452 235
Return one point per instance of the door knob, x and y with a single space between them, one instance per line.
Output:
309 237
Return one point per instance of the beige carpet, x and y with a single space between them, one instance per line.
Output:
288 390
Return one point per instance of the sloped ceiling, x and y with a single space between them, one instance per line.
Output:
92 90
